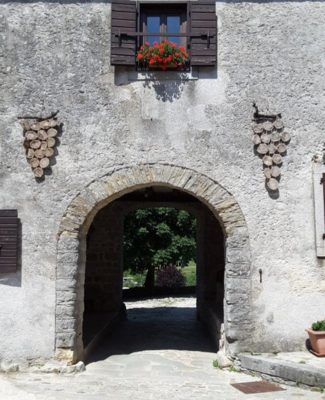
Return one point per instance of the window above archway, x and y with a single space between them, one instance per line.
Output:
168 20
192 25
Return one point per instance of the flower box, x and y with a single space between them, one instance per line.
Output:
162 56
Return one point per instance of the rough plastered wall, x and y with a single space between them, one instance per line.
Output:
57 56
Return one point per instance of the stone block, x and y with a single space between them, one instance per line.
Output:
66 284
65 340
75 216
238 269
284 369
223 360
63 297
65 355
242 328
98 190
68 243
69 223
237 255
67 270
238 285
238 297
238 313
63 325
238 239
65 311
74 368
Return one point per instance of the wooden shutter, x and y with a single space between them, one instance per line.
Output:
8 240
124 22
322 181
203 21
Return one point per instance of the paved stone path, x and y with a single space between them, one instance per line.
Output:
159 353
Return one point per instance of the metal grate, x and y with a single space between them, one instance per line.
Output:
256 387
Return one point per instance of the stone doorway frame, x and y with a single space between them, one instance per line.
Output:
71 250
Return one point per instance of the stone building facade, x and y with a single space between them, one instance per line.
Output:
123 131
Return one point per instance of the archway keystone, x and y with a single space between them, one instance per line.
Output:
96 195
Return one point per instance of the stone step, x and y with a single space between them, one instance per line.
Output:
301 367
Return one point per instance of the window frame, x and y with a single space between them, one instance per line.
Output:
164 10
201 31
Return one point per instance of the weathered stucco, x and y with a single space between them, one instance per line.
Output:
56 56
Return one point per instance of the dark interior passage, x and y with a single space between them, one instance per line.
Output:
104 273
157 328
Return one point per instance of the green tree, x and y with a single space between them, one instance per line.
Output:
155 237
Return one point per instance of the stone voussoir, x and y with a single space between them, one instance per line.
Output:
98 190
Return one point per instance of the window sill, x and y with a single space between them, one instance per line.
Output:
125 75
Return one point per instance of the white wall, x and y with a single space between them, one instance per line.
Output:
57 57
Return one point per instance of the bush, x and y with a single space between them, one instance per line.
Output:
318 326
169 276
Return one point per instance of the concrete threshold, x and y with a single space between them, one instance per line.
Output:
298 367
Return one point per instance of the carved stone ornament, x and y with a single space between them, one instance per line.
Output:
270 141
40 140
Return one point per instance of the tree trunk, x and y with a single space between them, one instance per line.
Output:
149 283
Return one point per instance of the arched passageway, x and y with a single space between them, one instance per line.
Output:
71 260
104 270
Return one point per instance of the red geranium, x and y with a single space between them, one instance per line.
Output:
165 55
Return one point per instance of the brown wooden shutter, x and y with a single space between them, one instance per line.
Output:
203 21
8 240
322 181
124 22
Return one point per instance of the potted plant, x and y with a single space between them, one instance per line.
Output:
164 55
317 338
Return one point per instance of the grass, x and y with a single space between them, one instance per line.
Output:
189 273
234 369
319 389
132 279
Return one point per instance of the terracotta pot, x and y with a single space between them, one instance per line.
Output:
317 341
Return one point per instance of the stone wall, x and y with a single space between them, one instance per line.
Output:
104 269
211 271
57 57
214 261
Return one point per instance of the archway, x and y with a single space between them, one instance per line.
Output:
72 249
175 229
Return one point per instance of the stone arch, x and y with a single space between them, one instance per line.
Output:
96 195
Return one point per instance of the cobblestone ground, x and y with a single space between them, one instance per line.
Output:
160 353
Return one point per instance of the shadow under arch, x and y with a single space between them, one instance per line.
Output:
71 249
